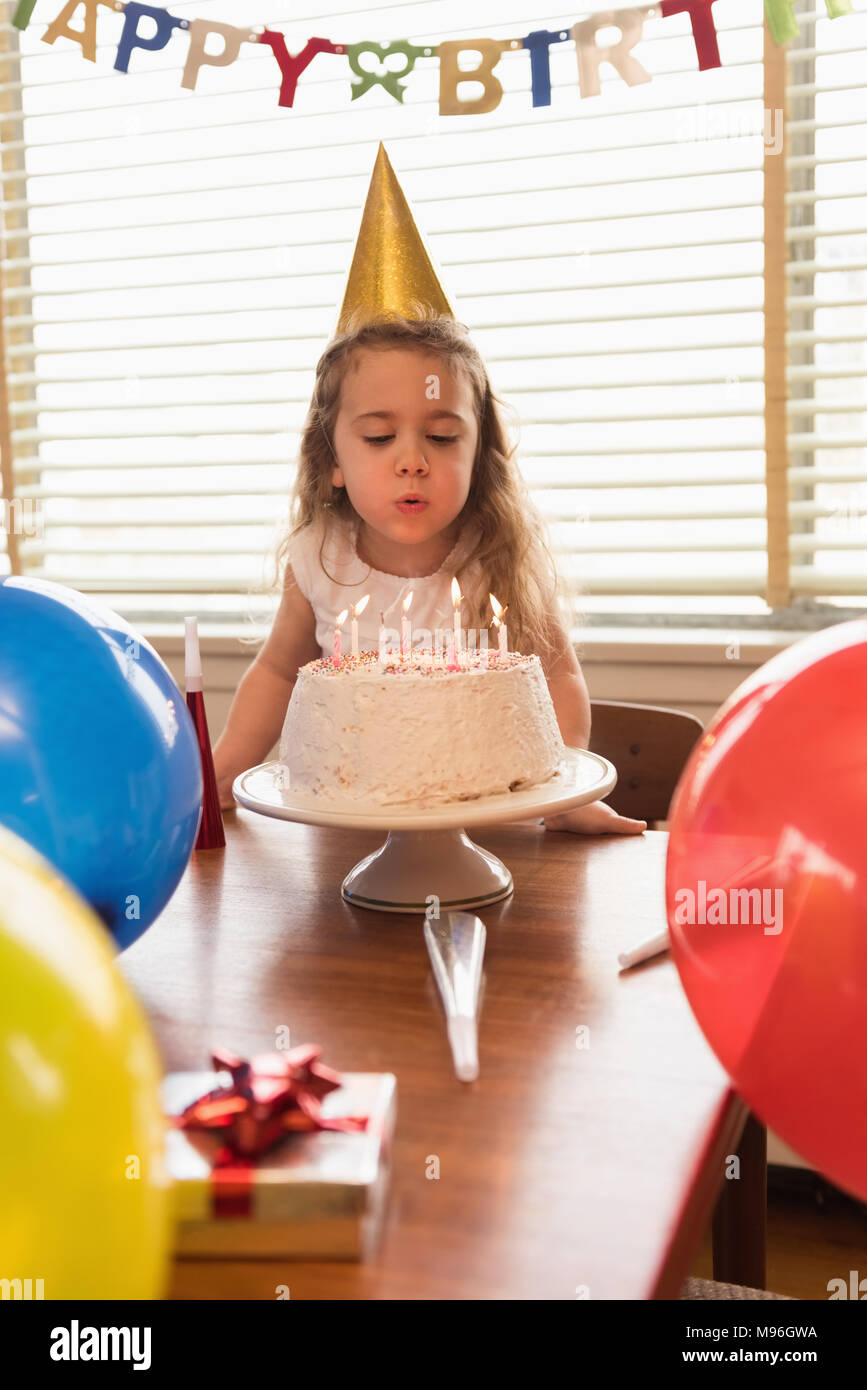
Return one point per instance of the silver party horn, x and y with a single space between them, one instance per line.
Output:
456 946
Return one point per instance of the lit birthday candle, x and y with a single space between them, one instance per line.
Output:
502 631
456 600
406 629
356 613
499 634
382 638
341 619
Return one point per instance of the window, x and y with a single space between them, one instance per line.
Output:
826 159
174 261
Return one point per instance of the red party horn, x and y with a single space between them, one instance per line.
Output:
211 832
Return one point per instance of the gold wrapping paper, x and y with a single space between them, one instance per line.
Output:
314 1195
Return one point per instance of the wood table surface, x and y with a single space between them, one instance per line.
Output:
564 1171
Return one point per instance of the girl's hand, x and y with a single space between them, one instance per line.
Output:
227 801
595 819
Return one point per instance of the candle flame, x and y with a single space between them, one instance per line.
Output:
361 605
497 607
341 617
496 621
456 593
407 601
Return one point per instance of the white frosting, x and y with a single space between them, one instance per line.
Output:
361 734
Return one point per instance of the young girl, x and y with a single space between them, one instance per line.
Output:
406 479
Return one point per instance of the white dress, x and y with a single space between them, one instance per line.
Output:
345 579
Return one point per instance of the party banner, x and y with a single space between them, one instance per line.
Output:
77 23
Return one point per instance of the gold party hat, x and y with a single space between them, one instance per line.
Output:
392 269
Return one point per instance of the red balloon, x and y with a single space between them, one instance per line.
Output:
766 887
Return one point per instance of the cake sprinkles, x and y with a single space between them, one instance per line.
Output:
420 664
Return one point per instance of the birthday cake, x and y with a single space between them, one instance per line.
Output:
393 733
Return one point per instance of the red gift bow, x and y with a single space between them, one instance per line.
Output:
275 1093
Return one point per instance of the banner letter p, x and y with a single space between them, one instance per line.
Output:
198 55
130 37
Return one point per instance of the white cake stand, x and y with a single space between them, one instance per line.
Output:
427 854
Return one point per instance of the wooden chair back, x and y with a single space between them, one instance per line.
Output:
649 747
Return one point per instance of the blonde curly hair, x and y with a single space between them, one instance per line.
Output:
514 560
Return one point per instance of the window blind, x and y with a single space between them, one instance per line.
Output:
173 262
826 163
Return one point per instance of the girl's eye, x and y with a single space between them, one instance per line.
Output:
437 438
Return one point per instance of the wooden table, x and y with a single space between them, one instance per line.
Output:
564 1168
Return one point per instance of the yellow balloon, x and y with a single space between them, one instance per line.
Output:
84 1191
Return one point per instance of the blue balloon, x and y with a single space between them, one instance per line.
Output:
100 769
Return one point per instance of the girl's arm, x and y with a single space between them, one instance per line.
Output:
567 688
259 708
571 702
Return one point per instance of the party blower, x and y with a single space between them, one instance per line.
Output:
456 946
211 832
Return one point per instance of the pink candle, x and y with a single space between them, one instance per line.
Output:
451 664
341 619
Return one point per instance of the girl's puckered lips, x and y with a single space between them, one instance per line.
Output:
410 503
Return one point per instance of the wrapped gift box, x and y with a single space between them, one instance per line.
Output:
319 1194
